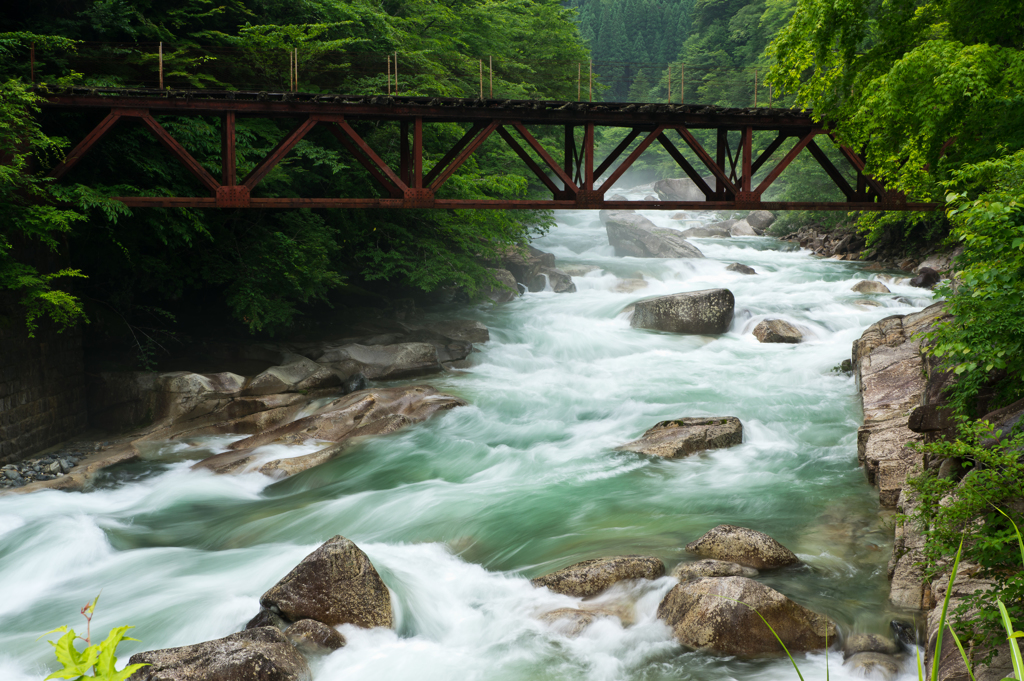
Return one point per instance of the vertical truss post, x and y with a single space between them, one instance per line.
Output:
417 153
721 148
569 156
227 150
404 166
745 195
588 157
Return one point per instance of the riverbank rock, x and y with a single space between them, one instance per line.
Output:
742 269
926 278
634 235
874 665
777 331
711 568
695 312
314 638
559 281
336 584
507 289
869 643
262 654
868 286
685 436
704 615
678 189
366 412
591 577
744 546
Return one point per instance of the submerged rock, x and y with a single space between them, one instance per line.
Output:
869 286
695 312
744 546
571 621
877 665
685 436
262 654
634 235
314 638
559 281
869 643
711 568
591 577
704 614
742 269
777 331
336 584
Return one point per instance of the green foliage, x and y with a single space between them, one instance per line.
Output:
986 207
951 511
99 658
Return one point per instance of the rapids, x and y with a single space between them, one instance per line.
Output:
459 512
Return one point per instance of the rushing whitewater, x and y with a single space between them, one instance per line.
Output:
458 513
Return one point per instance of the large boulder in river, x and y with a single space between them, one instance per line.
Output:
760 220
591 577
262 654
556 279
777 331
744 546
722 230
382 362
634 235
741 268
508 288
869 286
704 614
302 374
336 584
678 189
685 436
711 568
699 312
742 228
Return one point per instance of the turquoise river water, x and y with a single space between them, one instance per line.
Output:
458 513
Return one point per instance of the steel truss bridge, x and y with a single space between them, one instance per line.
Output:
579 180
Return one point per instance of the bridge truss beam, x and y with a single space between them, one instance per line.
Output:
579 181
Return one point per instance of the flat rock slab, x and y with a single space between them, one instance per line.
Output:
591 577
744 546
695 312
704 614
685 436
711 568
777 331
262 654
336 584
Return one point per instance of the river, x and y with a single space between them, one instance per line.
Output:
458 513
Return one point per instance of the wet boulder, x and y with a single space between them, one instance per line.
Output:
591 577
875 665
760 220
695 312
926 278
742 228
466 330
685 436
711 568
559 281
742 269
382 362
869 286
721 230
744 546
777 331
507 288
262 654
704 614
336 584
302 374
678 189
314 638
869 643
634 235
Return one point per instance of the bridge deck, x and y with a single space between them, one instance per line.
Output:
725 179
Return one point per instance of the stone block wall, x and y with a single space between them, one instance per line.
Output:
42 390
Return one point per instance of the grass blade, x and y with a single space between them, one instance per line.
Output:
777 636
1018 664
1020 541
963 654
945 607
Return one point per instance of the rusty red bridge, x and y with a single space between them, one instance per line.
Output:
579 181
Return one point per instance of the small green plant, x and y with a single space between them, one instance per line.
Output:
99 658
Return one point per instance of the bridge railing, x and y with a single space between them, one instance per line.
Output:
317 68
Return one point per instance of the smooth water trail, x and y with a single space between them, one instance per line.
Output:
459 512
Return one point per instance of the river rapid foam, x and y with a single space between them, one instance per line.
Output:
459 512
